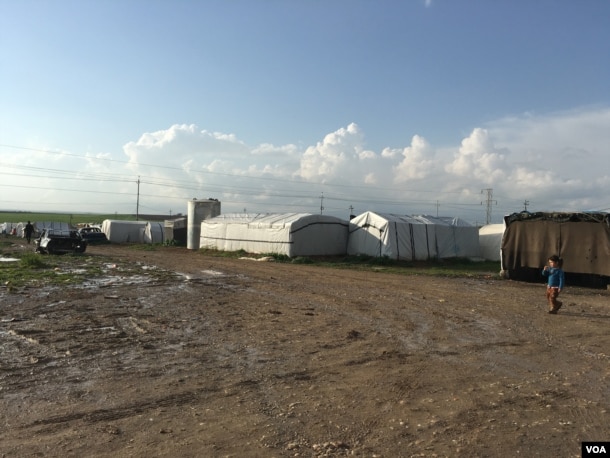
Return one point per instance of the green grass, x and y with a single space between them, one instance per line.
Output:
72 218
31 269
32 261
454 267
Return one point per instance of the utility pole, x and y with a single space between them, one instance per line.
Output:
525 204
321 203
138 201
351 211
489 201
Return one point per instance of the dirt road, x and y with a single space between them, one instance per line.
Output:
172 353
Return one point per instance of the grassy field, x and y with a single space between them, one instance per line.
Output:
72 218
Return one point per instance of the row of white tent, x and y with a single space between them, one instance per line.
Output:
116 231
18 228
374 234
398 237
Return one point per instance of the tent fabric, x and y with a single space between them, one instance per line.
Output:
154 232
291 234
454 237
415 238
118 231
581 239
394 236
490 241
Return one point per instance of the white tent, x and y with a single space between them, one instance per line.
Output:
118 231
454 237
412 238
292 234
394 236
490 239
154 232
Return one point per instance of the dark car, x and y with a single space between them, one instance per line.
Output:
93 235
55 241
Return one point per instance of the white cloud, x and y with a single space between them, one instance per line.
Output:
480 159
180 143
556 162
539 159
267 149
417 163
334 157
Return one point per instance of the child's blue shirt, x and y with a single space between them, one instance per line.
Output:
556 277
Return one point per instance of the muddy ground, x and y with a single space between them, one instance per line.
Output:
172 353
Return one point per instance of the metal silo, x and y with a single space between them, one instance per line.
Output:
198 210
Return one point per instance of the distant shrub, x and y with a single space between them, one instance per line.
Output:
32 261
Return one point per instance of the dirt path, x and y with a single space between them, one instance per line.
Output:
223 357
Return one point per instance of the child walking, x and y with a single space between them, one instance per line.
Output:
555 275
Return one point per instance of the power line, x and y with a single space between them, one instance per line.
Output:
291 181
184 185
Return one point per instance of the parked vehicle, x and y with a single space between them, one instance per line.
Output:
93 235
54 241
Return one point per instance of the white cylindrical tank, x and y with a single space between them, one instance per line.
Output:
198 210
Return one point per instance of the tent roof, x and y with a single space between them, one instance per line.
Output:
272 219
414 219
559 217
389 217
443 220
125 222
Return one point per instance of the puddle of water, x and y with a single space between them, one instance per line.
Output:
71 271
115 281
212 273
146 267
53 304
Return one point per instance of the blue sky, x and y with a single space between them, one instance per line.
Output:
408 106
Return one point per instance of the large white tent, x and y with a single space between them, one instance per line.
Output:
413 238
292 234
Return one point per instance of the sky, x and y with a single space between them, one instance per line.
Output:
466 108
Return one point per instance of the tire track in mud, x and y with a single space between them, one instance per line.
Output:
117 413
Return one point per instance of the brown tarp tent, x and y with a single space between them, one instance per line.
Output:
581 239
